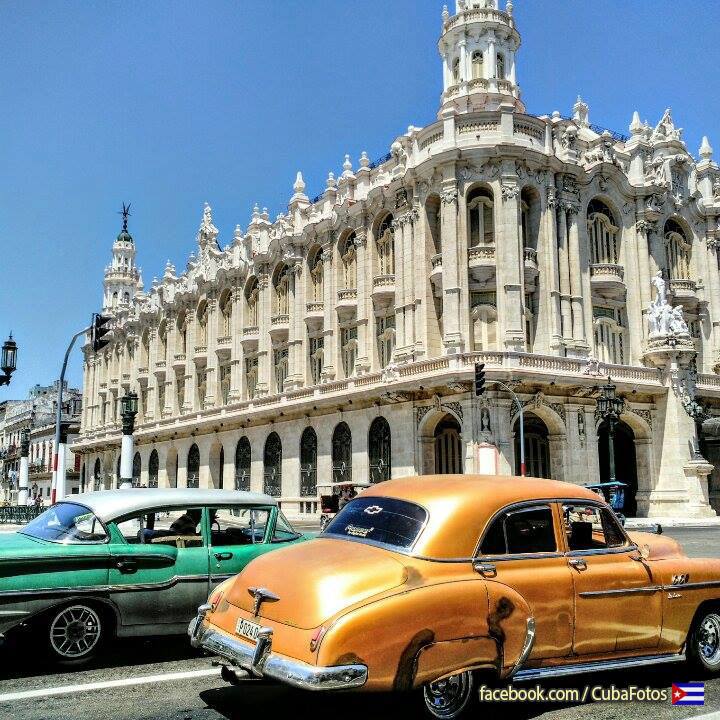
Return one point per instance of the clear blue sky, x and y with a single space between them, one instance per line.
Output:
169 104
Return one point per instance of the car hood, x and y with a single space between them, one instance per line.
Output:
315 580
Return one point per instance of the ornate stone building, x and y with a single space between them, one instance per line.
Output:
337 342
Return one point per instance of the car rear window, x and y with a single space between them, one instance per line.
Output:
383 520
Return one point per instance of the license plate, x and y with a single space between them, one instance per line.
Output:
247 629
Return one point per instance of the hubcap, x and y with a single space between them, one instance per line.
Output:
446 698
709 639
75 631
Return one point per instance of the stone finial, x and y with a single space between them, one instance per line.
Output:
581 112
299 186
155 281
445 13
265 215
256 213
509 8
347 167
331 182
364 159
706 152
237 235
208 232
556 115
636 127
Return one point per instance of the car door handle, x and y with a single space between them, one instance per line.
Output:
223 556
126 567
485 569
578 563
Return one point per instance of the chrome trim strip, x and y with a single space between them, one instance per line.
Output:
597 666
602 551
527 647
261 661
694 585
625 591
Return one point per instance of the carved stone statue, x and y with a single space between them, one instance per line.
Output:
661 287
664 320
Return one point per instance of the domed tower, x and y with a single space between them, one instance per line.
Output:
478 46
122 278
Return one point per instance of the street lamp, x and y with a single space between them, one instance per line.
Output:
610 406
128 411
8 360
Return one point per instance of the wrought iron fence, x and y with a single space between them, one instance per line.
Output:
19 514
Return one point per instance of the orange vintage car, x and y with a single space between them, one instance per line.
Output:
421 583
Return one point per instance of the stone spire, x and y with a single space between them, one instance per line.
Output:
207 233
122 278
478 46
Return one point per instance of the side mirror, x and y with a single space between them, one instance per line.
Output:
657 529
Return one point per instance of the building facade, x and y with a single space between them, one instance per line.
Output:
37 414
337 342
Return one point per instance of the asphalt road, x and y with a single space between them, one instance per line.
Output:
165 679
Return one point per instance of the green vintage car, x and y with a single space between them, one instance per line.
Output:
128 562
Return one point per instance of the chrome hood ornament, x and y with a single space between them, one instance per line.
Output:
261 595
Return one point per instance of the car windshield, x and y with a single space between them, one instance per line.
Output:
66 523
383 520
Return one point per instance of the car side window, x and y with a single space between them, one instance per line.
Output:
590 527
283 530
523 531
237 525
179 527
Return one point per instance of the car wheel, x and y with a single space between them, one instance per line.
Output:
703 646
450 697
75 633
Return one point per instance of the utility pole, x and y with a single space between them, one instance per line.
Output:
24 469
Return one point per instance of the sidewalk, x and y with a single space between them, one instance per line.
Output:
643 523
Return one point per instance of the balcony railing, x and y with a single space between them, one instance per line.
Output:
347 294
436 261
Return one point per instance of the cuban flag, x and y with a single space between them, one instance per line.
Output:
688 693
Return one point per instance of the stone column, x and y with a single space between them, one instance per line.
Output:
713 281
190 370
264 343
364 299
510 272
579 281
296 357
564 271
236 352
503 431
330 321
212 359
550 273
452 335
400 277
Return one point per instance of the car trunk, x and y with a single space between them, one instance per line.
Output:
314 586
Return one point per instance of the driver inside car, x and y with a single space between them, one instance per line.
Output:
187 523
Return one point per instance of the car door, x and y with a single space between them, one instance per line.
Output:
522 549
237 534
618 606
158 573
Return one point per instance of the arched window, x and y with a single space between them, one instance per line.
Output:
242 464
162 340
145 348
280 361
136 470
224 377
126 298
252 292
483 312
114 299
153 469
432 212
537 446
477 65
380 456
530 217
201 339
316 350
385 330
308 463
456 71
481 216
316 275
385 242
272 466
342 453
448 447
677 251
603 234
97 475
193 467
500 67
251 377
226 308
181 347
348 349
609 331
349 265
201 387
282 290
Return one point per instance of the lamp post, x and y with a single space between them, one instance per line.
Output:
128 411
610 407
24 469
8 360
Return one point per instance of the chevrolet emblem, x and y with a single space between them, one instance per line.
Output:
261 595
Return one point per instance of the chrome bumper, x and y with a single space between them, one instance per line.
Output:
260 661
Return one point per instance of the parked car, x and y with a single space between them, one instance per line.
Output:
421 583
128 562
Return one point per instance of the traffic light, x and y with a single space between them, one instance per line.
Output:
479 379
99 330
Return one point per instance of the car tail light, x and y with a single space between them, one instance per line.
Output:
316 638
215 598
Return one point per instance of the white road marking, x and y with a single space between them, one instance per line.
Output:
105 684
